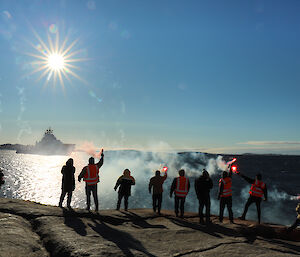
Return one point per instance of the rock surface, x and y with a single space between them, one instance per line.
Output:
32 229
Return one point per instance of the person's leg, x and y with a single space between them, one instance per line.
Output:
126 202
257 202
154 202
159 201
229 208
207 205
69 199
222 206
201 206
88 197
120 196
248 203
62 197
182 201
176 205
95 196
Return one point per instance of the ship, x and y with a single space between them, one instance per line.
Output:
49 145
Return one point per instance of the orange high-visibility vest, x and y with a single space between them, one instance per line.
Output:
181 186
227 191
257 188
91 177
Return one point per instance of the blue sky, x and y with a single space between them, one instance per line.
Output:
216 76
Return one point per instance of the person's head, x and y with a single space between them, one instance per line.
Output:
70 162
258 176
205 173
126 172
157 173
92 160
224 174
181 172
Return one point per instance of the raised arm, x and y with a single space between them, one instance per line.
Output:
249 180
100 163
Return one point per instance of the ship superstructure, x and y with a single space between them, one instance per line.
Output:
49 145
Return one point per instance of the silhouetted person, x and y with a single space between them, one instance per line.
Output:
181 187
156 183
225 195
257 191
68 182
1 177
297 221
90 175
125 182
203 185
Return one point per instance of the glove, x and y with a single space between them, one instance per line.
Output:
79 179
115 188
171 195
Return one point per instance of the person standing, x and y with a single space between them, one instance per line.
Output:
124 183
156 183
68 182
203 185
90 175
225 195
181 187
257 191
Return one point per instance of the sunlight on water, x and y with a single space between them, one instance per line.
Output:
38 178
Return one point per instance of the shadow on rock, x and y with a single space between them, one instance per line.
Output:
73 221
123 240
282 244
180 222
140 221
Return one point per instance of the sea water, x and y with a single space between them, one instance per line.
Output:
38 178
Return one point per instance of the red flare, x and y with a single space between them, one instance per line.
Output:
234 169
232 161
165 169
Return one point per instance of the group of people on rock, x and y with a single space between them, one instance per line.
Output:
180 188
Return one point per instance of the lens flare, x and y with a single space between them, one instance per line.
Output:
55 59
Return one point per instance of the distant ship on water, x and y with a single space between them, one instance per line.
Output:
49 145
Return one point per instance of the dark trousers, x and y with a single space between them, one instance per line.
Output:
62 197
181 200
296 223
204 202
226 201
156 202
88 190
120 196
257 201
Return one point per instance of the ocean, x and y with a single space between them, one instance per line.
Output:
38 178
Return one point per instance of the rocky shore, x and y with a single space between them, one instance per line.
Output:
32 229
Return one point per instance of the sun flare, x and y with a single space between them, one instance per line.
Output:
55 60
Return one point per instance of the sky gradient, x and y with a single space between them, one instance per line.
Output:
215 76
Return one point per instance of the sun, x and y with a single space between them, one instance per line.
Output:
55 60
